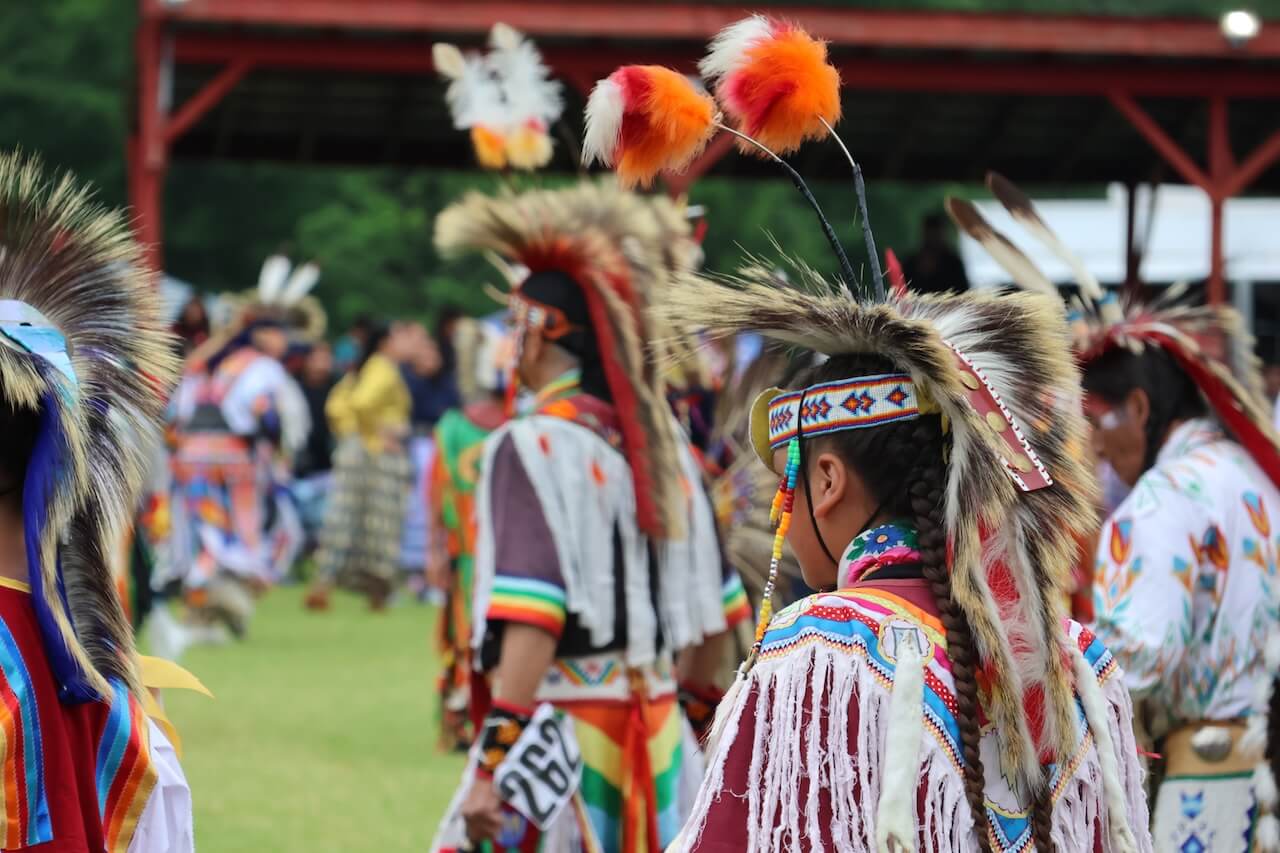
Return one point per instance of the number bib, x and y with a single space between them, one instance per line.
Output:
541 773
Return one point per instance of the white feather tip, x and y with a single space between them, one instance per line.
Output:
504 37
604 123
275 270
448 60
300 283
730 44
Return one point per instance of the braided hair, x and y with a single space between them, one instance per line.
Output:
878 454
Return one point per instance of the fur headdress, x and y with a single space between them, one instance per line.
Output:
1000 373
283 296
83 348
1209 343
580 233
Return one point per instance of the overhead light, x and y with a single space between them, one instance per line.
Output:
1239 26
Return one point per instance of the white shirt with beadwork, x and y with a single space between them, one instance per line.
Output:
1186 571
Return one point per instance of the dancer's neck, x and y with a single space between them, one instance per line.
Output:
13 549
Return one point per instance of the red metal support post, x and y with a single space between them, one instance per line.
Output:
1255 164
1159 140
204 100
147 150
1221 167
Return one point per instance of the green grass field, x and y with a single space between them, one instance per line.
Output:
321 737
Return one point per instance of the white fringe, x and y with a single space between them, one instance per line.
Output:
793 718
801 705
690 581
583 516
1114 789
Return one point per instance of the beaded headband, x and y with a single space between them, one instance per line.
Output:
779 416
864 401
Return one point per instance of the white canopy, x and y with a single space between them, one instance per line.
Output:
1179 243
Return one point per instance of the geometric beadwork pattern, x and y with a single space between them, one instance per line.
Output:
864 401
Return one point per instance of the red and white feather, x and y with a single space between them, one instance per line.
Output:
773 79
605 108
646 119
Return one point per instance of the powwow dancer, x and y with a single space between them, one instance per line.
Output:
237 410
459 438
1186 590
85 365
931 698
596 558
364 517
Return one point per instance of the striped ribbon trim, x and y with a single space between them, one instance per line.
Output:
125 775
527 601
25 810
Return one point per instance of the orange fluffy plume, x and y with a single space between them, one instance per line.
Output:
528 147
490 147
646 119
774 81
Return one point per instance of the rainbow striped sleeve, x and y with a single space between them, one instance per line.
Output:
734 594
24 814
527 601
125 774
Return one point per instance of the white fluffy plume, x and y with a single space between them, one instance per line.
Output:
727 48
523 79
474 95
604 123
275 270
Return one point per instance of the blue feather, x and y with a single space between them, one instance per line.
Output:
45 470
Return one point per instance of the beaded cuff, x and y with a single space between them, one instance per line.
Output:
502 728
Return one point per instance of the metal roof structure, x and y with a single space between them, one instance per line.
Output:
928 95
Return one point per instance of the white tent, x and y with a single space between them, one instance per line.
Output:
1178 249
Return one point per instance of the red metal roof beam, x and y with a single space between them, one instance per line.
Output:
581 62
843 27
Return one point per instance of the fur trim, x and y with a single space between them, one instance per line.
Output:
896 811
76 263
1011 551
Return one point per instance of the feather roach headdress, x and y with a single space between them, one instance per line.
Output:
82 348
505 99
1208 342
283 296
997 370
579 233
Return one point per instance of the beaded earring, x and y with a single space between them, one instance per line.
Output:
780 515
